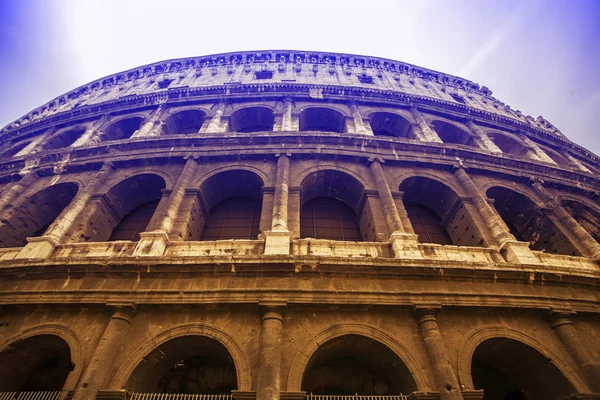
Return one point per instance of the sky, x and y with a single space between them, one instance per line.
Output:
539 56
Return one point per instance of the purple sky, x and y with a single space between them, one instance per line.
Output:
539 56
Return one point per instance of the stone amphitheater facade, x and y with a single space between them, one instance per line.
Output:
284 225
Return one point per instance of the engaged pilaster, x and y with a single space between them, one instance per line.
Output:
268 385
277 240
96 373
359 124
539 153
445 378
215 123
148 128
14 190
490 146
428 134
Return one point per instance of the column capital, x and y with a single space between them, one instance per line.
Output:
560 316
278 155
371 160
123 311
272 309
426 312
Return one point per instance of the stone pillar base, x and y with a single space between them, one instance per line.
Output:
38 247
518 253
119 394
405 245
277 242
151 244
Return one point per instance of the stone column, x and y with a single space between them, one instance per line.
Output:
359 125
576 163
404 244
148 126
428 134
14 190
277 240
96 373
540 154
215 122
581 239
445 378
402 212
286 122
268 385
35 145
490 146
154 243
91 135
515 251
563 326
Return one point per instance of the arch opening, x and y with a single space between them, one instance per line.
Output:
586 216
321 119
38 363
507 144
187 365
32 217
64 139
16 148
388 124
437 214
234 203
507 369
122 129
252 119
529 223
332 208
184 122
554 155
450 133
353 364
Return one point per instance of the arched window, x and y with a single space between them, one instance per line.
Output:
233 218
388 124
252 119
39 363
327 218
64 139
13 150
135 222
321 119
437 214
184 122
32 217
450 133
555 156
233 202
122 129
586 216
507 144
529 223
186 365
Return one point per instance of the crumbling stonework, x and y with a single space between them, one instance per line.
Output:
279 225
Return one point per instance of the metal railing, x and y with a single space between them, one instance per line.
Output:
41 395
353 397
178 396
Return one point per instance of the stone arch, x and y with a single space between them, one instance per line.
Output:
586 214
433 175
528 222
184 121
322 119
386 123
303 355
63 332
252 119
508 144
452 133
467 351
554 155
64 138
16 148
240 361
438 214
122 128
35 213
331 166
243 167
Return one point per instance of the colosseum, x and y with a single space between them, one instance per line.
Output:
285 225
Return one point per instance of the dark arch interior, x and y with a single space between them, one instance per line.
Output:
529 223
554 155
38 363
32 217
321 119
64 139
187 365
388 124
450 133
587 217
234 203
122 129
353 364
507 369
437 214
13 150
507 144
332 207
252 119
184 122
